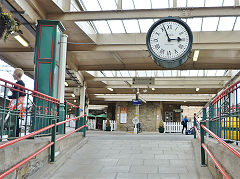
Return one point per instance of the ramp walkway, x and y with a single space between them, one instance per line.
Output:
117 155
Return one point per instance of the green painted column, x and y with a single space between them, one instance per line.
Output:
47 66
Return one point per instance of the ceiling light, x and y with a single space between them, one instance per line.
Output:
184 101
195 56
73 95
66 83
20 39
153 89
110 89
74 100
197 89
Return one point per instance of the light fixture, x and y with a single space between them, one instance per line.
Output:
153 89
197 89
66 83
195 56
110 89
74 100
20 39
184 101
73 95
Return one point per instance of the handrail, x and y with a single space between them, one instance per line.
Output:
236 153
33 91
216 162
224 93
42 149
199 137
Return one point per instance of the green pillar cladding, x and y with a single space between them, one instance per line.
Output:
47 61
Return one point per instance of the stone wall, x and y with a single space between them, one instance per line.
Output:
190 110
149 114
13 154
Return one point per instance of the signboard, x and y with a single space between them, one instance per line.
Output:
178 110
123 116
143 81
136 102
135 121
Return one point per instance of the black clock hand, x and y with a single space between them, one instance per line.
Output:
178 39
167 34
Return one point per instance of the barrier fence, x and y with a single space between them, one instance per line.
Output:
33 115
220 120
175 127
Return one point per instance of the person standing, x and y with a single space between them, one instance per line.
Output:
184 123
17 93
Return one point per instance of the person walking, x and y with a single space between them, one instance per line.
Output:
184 123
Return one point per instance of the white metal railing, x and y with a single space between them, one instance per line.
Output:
113 125
92 124
176 127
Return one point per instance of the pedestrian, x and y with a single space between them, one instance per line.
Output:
184 123
17 92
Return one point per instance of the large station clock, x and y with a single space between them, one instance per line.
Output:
169 42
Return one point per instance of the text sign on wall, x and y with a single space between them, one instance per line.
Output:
143 81
123 115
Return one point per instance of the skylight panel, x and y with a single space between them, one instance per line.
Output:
167 73
195 24
195 3
102 27
124 73
93 73
228 2
237 24
200 72
148 73
131 73
108 73
131 26
226 23
220 72
184 72
174 73
181 3
160 73
108 4
193 72
141 73
157 4
74 7
211 73
210 23
116 26
145 24
119 74
91 5
142 4
213 3
127 4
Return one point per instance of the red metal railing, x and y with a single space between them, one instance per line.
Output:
236 153
42 149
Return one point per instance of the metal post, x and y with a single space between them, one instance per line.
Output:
4 110
202 142
53 140
84 129
195 125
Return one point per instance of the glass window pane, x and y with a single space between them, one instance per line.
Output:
184 72
156 4
237 25
211 73
91 5
200 72
116 26
220 72
127 4
195 3
210 23
213 3
124 73
131 26
226 23
108 4
174 73
228 3
145 24
108 73
131 73
142 4
181 3
195 24
148 73
74 6
167 73
102 27
141 73
193 72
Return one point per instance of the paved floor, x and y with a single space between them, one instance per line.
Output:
127 156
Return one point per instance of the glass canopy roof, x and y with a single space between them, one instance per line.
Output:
142 25
157 73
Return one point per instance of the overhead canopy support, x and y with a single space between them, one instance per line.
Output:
147 13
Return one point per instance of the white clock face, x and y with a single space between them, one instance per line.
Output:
169 40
